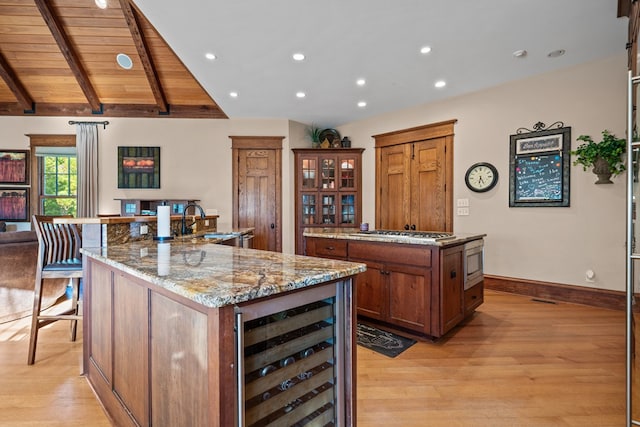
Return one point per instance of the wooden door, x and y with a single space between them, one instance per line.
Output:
257 189
414 178
428 200
393 187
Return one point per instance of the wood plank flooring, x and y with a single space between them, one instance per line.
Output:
515 363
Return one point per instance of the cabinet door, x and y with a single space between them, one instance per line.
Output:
348 209
348 167
309 208
451 289
308 178
393 180
329 208
371 292
328 172
409 297
428 190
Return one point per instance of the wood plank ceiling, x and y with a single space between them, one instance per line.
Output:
58 58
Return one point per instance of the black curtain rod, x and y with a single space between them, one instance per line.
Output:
104 123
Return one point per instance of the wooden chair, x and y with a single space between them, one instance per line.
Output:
58 258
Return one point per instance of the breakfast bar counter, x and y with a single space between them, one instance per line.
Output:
195 333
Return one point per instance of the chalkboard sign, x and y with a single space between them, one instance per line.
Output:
539 168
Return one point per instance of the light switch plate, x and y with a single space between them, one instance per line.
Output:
463 211
463 202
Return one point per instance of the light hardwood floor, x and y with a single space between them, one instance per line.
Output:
515 363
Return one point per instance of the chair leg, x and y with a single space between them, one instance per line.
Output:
35 322
74 305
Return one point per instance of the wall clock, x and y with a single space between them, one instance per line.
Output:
481 177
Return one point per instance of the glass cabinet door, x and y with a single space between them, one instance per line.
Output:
328 173
329 208
309 173
347 209
309 210
347 172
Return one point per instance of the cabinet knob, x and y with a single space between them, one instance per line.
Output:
413 226
453 274
272 226
406 226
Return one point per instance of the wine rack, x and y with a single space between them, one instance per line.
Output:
291 366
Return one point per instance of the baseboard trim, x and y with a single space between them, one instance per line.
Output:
594 297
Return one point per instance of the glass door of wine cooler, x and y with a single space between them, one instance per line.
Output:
292 360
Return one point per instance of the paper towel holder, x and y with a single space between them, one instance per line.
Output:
162 238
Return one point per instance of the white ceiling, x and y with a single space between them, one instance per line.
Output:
378 40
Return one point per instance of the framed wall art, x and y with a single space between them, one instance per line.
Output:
14 204
14 167
539 168
138 167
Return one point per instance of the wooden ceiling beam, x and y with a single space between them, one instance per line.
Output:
16 87
69 54
115 110
131 17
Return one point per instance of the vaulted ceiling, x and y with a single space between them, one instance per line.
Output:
58 58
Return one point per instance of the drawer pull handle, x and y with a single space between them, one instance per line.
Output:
330 248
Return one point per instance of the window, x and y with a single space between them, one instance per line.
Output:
58 179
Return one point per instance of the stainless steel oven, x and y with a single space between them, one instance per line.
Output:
473 263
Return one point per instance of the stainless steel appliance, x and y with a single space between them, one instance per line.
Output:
434 236
473 263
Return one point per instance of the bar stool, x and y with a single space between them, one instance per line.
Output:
58 258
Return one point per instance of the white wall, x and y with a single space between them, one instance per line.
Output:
548 244
195 158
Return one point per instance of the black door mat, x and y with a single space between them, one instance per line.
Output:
382 342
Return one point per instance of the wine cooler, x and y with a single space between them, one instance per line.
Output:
292 352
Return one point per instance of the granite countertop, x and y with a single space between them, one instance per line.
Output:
217 275
352 234
121 219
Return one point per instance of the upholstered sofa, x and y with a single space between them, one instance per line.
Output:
18 259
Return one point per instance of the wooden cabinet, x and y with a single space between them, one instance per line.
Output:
415 287
451 287
414 177
328 189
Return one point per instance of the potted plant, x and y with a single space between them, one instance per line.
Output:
314 135
606 156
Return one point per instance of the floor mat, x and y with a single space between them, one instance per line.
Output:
382 342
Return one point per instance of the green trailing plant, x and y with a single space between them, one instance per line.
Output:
610 149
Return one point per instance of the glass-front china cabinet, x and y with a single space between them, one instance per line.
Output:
328 192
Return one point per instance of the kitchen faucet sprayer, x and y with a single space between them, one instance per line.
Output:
184 213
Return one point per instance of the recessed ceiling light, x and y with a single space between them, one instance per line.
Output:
556 53
425 49
233 94
440 83
210 56
124 61
361 82
520 53
362 104
301 94
102 4
298 56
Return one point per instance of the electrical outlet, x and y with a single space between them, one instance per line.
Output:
463 202
144 229
463 211
206 222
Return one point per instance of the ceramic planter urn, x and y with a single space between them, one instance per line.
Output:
601 168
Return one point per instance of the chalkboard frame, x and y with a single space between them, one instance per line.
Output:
540 143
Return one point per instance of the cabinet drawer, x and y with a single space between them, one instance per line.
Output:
473 297
331 248
417 255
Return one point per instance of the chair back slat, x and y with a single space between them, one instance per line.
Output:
59 243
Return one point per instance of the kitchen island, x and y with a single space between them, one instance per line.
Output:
424 283
195 333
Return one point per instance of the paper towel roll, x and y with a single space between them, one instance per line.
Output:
164 259
164 221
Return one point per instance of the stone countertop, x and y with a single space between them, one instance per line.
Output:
352 234
216 275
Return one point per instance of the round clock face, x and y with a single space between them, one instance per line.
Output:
481 177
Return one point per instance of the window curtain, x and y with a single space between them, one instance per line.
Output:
87 152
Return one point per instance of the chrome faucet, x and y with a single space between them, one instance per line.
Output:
184 213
